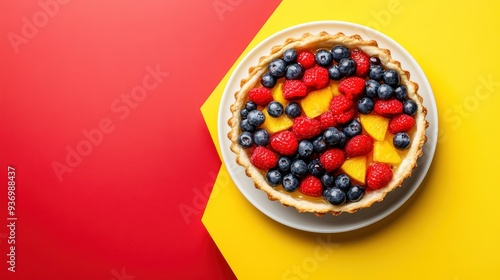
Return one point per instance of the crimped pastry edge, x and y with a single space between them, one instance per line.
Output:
326 40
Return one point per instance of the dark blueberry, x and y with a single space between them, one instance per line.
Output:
315 167
352 129
332 136
391 77
409 107
328 180
290 183
293 72
290 56
268 80
244 113
343 182
355 193
401 141
284 164
324 58
277 68
400 92
305 149
273 177
256 118
275 109
245 139
334 72
319 144
347 67
261 137
365 105
343 140
339 52
246 126
376 73
250 105
371 88
374 60
385 91
292 110
335 196
299 168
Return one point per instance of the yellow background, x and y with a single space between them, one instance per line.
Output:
450 229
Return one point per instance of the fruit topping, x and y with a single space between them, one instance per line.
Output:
268 80
362 62
263 158
273 125
261 137
292 110
316 102
355 193
316 77
324 58
256 118
409 107
260 96
275 109
388 108
285 143
356 168
352 87
378 175
294 89
277 68
332 159
401 141
359 145
290 183
374 125
339 52
306 59
401 123
290 56
311 186
294 72
384 152
327 119
365 105
335 196
273 177
305 127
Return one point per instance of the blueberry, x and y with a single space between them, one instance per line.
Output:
374 60
273 177
250 105
293 72
371 88
305 149
334 73
256 118
245 139
401 141
328 180
391 77
400 92
343 140
315 167
332 136
284 164
385 91
319 144
244 113
268 80
261 137
277 68
352 129
355 193
323 58
409 107
343 182
275 109
365 105
246 126
347 67
292 110
299 168
290 56
339 52
290 183
376 73
335 196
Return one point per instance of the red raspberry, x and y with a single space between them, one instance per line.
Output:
294 89
261 96
316 77
285 143
332 159
378 175
362 62
305 127
263 158
401 123
359 145
340 104
327 119
306 59
352 87
346 116
388 108
311 186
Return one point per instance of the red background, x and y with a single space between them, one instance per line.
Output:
117 214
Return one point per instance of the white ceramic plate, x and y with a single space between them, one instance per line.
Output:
328 223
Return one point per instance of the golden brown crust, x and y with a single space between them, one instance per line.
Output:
326 40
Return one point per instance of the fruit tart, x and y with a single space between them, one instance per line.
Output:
328 123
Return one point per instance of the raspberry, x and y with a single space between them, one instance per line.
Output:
332 159
346 116
388 108
285 143
362 62
263 158
352 87
359 145
340 104
316 77
305 128
294 89
401 123
311 186
327 119
306 59
378 175
261 96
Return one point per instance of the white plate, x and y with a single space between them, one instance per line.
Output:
328 223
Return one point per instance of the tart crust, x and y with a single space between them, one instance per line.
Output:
314 42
